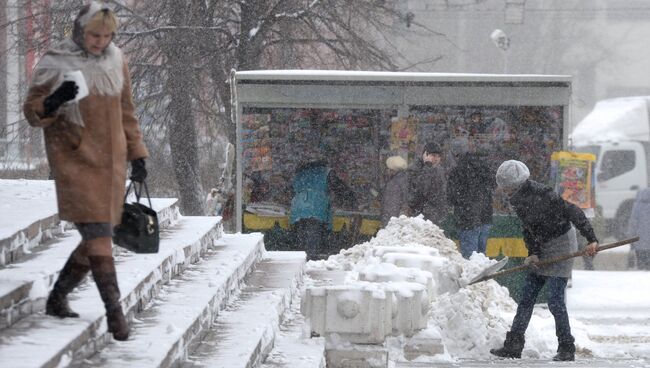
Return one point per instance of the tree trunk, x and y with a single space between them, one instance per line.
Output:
182 129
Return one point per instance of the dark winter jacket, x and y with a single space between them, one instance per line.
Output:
546 216
428 193
640 218
395 196
469 190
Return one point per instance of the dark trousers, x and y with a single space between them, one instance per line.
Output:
556 304
312 235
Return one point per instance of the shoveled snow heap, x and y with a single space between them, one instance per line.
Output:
471 319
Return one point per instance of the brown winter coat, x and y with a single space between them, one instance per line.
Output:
89 163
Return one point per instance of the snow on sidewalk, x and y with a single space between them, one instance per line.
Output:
609 311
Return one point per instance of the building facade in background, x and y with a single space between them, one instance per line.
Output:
21 148
601 43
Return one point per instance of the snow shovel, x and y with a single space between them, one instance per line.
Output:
491 272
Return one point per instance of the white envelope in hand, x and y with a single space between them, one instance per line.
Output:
77 77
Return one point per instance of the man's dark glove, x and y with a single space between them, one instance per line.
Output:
66 92
138 171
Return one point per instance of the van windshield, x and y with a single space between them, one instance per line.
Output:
589 149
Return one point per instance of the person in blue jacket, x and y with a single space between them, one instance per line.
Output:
311 206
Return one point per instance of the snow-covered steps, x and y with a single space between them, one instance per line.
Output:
293 346
532 363
24 284
244 333
140 278
185 308
167 210
31 205
34 218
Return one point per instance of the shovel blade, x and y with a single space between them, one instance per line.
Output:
490 270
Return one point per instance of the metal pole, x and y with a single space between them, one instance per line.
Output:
237 111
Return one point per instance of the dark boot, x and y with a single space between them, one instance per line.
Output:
565 352
71 275
103 270
512 347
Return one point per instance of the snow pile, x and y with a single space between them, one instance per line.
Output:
404 231
471 319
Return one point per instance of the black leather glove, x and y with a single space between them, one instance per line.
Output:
66 92
138 171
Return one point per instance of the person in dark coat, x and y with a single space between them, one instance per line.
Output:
311 206
638 226
88 142
428 185
469 191
394 198
547 221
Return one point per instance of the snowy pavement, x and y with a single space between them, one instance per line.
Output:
609 310
533 363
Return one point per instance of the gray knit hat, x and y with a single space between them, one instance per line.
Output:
512 174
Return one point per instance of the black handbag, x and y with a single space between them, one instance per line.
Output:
138 231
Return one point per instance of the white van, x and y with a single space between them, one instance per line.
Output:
617 131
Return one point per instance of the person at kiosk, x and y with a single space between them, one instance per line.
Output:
313 186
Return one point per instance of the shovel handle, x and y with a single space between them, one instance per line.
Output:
558 259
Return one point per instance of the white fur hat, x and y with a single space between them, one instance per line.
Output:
396 163
512 174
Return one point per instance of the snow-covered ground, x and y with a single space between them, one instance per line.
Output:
609 310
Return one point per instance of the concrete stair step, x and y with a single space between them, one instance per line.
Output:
140 277
185 308
293 347
244 333
35 220
24 284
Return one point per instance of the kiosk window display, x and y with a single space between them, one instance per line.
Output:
356 143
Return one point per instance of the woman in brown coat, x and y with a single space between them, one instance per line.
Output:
88 143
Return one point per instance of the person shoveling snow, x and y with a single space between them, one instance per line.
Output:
547 221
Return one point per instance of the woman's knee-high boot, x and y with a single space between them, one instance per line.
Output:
103 270
71 275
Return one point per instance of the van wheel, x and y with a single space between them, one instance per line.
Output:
622 219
